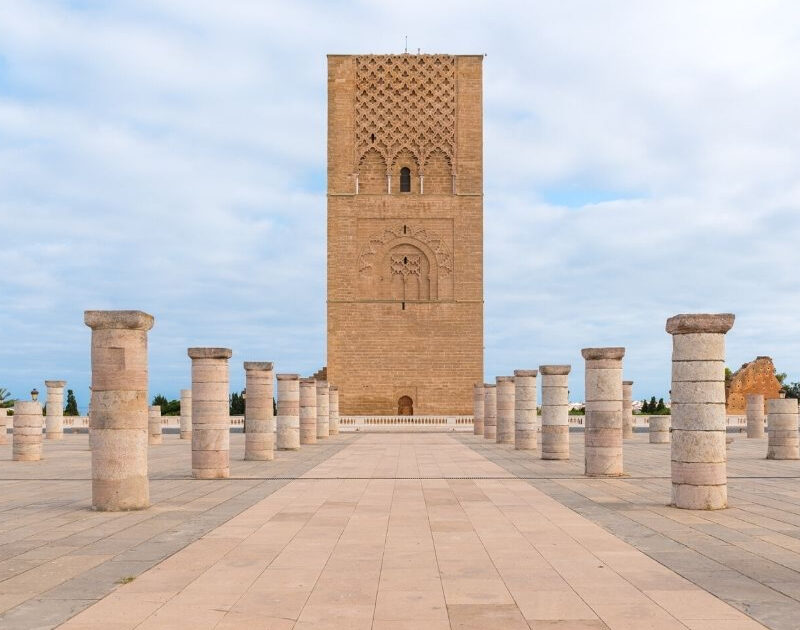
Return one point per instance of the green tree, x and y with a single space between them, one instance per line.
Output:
237 404
71 408
792 390
168 407
645 406
661 407
653 404
5 398
781 377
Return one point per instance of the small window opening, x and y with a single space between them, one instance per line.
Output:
372 137
404 306
405 179
405 260
404 229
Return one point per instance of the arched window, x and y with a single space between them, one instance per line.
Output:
405 179
405 406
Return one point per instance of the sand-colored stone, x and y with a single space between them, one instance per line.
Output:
627 410
755 415
118 424
504 433
526 425
755 377
698 459
27 435
333 401
477 409
555 411
782 435
54 421
288 420
603 430
659 429
490 411
154 424
210 413
186 414
259 444
308 411
323 409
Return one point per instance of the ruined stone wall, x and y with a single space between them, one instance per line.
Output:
756 377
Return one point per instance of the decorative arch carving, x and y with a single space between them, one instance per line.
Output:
378 241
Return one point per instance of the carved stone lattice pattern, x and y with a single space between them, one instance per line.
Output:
406 102
377 242
405 265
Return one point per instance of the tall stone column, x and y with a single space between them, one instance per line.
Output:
211 421
259 421
186 414
154 424
490 411
699 477
755 415
477 409
308 411
54 423
627 410
27 437
603 431
526 422
333 393
323 409
505 410
659 429
118 420
783 441
288 412
555 411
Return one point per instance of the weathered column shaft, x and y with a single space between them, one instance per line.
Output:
323 409
333 392
755 415
54 423
526 422
259 420
489 411
783 439
699 477
505 410
288 412
477 409
308 411
603 431
118 420
186 414
627 409
659 429
555 411
27 436
211 422
154 424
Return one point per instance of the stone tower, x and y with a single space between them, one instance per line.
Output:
405 232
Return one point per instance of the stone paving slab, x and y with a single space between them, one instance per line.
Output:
410 531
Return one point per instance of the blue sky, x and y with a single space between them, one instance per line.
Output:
641 160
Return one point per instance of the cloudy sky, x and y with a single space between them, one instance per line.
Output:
641 159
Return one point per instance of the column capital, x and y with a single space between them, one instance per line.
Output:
596 354
131 320
210 353
259 366
555 370
687 323
55 383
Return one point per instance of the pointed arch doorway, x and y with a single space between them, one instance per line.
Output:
405 406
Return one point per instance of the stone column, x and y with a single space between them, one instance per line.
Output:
489 411
211 421
259 421
333 393
755 415
526 422
54 423
186 414
783 441
288 412
603 431
505 410
555 411
659 429
323 409
308 411
118 420
154 424
477 408
627 410
27 436
699 477
5 420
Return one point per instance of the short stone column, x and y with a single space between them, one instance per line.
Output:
308 411
659 429
477 409
27 436
555 411
783 440
755 415
627 410
526 425
699 476
505 410
489 411
323 409
603 431
288 420
5 420
211 421
259 421
54 422
186 414
118 420
154 424
333 401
